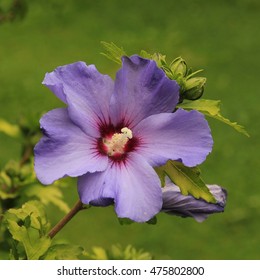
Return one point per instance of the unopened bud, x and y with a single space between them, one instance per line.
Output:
194 88
179 67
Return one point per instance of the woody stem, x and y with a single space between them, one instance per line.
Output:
74 210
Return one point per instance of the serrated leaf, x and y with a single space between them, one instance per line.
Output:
211 108
63 252
202 105
47 195
28 225
35 211
187 179
235 125
34 245
9 129
113 52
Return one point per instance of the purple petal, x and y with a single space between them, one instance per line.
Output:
141 90
181 136
175 203
132 184
65 149
86 91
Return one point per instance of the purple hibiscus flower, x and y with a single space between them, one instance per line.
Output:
112 134
174 203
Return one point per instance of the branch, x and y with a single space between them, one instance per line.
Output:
75 209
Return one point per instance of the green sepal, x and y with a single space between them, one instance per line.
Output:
211 108
113 52
152 221
125 221
186 178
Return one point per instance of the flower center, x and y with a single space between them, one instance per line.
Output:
116 144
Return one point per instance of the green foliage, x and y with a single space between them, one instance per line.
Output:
116 252
211 108
18 184
64 252
28 227
48 194
186 178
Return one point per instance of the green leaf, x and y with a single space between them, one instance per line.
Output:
28 225
211 108
35 211
63 252
235 125
113 52
9 129
51 194
187 179
34 245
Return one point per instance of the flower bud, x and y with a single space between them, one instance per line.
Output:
194 88
179 67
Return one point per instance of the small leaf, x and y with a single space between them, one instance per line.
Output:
9 129
28 225
35 211
211 108
113 52
187 179
34 246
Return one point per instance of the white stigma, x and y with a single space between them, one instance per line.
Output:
127 132
118 141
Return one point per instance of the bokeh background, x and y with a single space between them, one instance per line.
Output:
221 36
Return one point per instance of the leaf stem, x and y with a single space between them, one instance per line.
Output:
74 210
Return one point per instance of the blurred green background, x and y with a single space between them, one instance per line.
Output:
221 36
